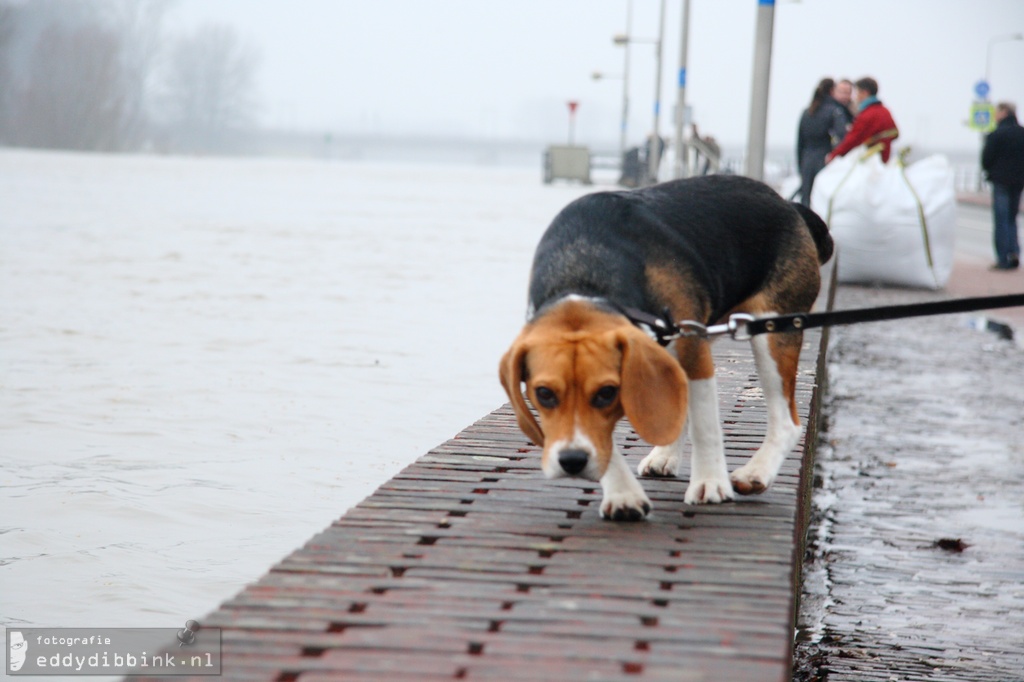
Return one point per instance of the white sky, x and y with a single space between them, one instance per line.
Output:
506 68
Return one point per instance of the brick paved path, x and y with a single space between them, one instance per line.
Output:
469 565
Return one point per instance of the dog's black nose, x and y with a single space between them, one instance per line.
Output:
573 461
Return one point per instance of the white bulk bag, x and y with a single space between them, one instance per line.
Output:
891 223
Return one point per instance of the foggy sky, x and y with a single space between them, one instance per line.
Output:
506 68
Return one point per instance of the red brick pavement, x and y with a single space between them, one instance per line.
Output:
972 277
469 565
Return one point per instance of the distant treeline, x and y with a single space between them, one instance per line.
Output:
103 75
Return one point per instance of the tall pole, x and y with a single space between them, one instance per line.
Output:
682 168
625 80
988 75
654 157
572 122
992 43
759 94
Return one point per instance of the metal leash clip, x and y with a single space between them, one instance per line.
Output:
665 331
690 328
736 327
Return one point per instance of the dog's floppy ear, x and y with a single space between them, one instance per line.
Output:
511 372
653 390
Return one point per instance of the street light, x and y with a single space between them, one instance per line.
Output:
626 40
600 75
654 155
682 168
623 41
992 43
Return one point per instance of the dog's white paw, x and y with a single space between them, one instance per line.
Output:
751 479
663 461
712 490
629 505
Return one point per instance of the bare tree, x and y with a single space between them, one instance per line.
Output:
72 98
76 74
209 89
80 75
7 18
140 24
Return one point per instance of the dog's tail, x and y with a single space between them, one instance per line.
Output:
819 231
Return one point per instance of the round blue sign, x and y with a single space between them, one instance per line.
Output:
981 89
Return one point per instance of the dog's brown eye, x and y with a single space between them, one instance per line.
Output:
605 396
546 397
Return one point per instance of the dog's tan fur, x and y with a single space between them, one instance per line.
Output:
574 351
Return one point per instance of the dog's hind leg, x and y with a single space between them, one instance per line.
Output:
777 357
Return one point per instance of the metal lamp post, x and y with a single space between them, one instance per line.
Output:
600 75
625 40
759 97
1010 37
682 168
995 40
654 154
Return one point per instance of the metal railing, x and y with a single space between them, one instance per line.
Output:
706 159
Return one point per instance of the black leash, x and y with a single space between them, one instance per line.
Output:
786 323
741 326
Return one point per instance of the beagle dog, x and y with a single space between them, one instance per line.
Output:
698 249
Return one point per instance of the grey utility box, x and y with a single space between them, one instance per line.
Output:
565 162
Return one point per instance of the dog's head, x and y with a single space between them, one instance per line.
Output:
584 369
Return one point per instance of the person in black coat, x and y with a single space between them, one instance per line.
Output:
822 125
1002 158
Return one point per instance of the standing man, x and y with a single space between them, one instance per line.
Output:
1002 158
873 125
843 94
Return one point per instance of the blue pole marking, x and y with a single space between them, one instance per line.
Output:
657 108
766 2
682 78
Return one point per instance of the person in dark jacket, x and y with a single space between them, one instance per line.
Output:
822 125
1002 158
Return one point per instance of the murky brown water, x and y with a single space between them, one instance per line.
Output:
205 361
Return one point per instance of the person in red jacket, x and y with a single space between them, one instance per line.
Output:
873 125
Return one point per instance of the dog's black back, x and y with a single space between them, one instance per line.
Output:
725 235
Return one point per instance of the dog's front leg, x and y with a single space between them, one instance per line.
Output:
709 476
624 498
663 460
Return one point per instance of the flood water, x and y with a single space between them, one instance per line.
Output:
203 362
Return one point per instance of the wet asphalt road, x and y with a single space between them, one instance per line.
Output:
915 569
